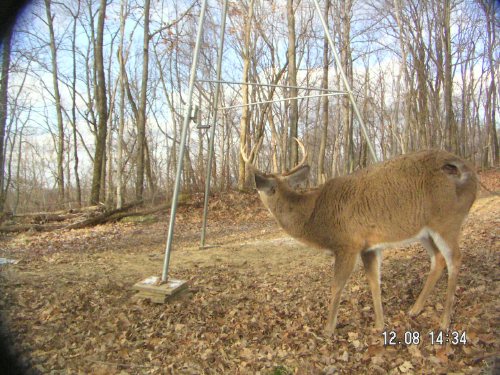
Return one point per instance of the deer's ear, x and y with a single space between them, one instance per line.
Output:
297 177
266 184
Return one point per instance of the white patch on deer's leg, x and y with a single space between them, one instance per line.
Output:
437 266
444 249
433 260
451 253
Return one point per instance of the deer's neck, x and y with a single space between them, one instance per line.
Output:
292 210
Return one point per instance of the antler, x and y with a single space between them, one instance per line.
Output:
243 152
247 158
304 158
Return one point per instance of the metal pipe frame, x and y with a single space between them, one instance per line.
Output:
185 126
212 131
187 118
271 85
281 100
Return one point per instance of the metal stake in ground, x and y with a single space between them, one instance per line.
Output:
152 288
185 126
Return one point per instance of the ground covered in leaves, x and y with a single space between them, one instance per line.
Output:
256 303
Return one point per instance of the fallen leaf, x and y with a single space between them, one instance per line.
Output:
405 367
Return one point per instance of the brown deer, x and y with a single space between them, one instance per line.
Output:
423 196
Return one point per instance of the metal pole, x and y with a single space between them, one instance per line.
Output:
212 131
346 82
185 127
282 100
307 88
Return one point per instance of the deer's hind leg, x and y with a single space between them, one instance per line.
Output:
447 244
371 261
437 266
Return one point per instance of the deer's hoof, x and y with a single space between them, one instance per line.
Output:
445 324
329 331
414 311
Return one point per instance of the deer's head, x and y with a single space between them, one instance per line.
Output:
273 187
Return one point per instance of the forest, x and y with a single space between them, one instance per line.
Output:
94 96
93 93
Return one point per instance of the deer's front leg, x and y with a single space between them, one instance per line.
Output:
344 264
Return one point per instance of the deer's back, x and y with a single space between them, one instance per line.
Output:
395 199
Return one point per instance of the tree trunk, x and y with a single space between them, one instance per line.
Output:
245 119
4 84
57 98
121 125
403 71
346 61
18 171
73 111
491 92
450 121
150 176
293 121
141 120
100 148
109 188
324 106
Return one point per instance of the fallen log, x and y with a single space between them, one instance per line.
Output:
44 226
34 218
18 228
102 218
105 217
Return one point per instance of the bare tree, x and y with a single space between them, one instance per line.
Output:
324 105
245 119
430 80
490 9
119 172
141 119
78 187
293 121
345 15
450 121
4 84
100 148
57 98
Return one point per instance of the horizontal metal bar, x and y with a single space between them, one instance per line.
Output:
272 85
282 99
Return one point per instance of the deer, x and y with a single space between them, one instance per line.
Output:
421 197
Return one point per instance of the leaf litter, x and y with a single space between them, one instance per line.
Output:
256 304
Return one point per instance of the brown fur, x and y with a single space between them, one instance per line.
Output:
427 193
